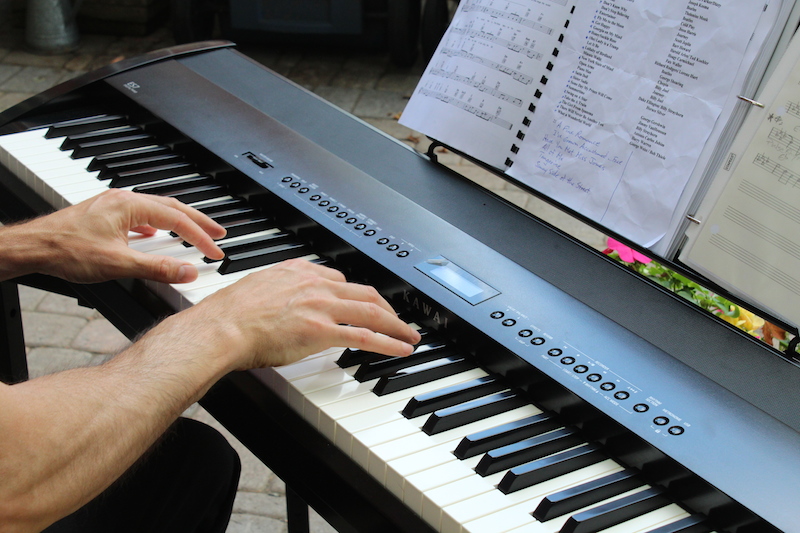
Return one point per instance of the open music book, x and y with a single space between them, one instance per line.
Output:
748 234
620 110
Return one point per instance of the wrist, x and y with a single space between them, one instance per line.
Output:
24 249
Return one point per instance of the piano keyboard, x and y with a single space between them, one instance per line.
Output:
452 441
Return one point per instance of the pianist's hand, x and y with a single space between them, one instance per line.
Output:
294 309
88 242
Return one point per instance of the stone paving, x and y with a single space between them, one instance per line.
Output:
60 334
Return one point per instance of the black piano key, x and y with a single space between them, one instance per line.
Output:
550 467
472 411
103 160
237 228
199 193
527 450
108 146
616 512
255 243
353 356
149 174
221 205
169 187
690 524
267 256
111 170
73 141
424 352
504 434
233 213
586 494
422 373
423 404
85 124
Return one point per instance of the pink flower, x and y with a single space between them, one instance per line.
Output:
626 253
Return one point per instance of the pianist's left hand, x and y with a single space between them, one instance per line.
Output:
88 242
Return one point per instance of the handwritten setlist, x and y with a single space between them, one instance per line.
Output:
630 106
749 238
603 105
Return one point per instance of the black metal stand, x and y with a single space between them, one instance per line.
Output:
13 362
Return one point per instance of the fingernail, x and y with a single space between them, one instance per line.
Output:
184 273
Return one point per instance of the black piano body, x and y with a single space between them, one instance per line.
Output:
710 415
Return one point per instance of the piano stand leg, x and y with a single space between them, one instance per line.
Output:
13 362
296 512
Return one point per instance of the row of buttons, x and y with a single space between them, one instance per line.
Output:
568 360
348 217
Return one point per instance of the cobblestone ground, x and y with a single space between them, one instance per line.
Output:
60 334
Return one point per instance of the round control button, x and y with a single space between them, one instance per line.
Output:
393 247
295 184
525 333
303 190
403 253
508 322
287 179
383 240
537 341
622 395
594 377
324 203
315 197
554 352
370 232
360 226
333 208
351 220
567 360
641 407
676 430
661 420
607 386
497 314
342 214
580 369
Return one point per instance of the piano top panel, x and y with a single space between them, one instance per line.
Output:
572 297
727 356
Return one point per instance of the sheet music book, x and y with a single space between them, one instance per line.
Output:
617 109
748 239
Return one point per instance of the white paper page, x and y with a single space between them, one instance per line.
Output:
750 241
479 84
636 91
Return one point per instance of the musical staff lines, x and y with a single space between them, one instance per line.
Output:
785 175
494 39
479 85
469 108
785 142
762 231
488 63
769 200
793 108
774 273
512 17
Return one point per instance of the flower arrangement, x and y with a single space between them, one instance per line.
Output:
697 294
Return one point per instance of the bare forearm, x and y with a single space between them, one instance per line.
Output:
23 250
68 436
